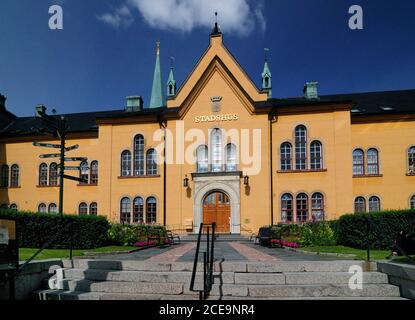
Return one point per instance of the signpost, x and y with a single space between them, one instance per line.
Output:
58 128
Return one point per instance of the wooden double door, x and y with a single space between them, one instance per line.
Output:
217 208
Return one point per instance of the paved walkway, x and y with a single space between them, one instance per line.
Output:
174 254
250 253
228 251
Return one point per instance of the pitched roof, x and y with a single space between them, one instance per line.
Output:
369 103
77 122
366 103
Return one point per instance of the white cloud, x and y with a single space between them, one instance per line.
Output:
235 16
120 17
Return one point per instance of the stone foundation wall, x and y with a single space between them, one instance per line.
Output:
32 278
402 275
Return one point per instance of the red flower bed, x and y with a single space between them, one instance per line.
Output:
141 244
285 243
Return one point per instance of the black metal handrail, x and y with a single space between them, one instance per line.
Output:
47 243
208 257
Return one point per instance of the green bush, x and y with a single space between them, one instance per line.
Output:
35 229
314 234
308 234
351 230
128 235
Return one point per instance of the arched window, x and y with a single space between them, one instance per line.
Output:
216 147
83 209
151 211
43 175
301 147
360 205
14 179
231 157
412 202
125 210
302 207
4 176
374 204
94 172
411 160
372 161
53 174
317 207
286 156
316 155
52 208
151 162
358 162
202 159
84 172
287 208
126 163
13 206
93 209
138 210
139 155
41 208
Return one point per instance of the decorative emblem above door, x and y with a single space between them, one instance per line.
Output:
216 103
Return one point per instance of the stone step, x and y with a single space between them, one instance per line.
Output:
368 290
73 295
231 266
121 287
141 276
224 277
318 290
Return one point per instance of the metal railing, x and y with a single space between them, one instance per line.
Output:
208 257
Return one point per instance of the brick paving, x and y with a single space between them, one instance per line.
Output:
173 254
250 253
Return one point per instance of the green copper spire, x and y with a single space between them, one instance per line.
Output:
157 93
266 76
171 82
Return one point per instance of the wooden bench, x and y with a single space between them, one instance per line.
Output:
172 237
265 237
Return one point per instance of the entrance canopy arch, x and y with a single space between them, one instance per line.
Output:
229 187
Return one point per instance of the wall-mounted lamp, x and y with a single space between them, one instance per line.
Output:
246 180
186 182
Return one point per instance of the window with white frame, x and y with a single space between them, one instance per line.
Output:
217 153
202 159
301 147
231 157
286 156
316 155
139 155
151 162
374 204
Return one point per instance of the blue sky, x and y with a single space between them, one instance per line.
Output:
106 50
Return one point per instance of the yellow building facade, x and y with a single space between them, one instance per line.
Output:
220 149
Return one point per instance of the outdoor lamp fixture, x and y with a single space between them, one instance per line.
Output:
186 182
246 180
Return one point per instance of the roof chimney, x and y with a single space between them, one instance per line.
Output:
2 102
310 90
134 104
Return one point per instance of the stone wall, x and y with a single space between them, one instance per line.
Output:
402 275
32 278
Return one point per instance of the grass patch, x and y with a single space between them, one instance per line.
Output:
359 253
26 253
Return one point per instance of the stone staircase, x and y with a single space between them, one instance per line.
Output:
140 280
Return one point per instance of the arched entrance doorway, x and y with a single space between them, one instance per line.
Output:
217 208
